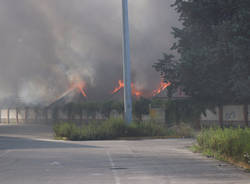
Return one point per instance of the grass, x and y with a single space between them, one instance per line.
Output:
227 144
117 129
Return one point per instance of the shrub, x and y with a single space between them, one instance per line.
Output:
109 129
183 130
227 142
149 128
62 129
67 130
115 128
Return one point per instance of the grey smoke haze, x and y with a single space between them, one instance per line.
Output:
45 45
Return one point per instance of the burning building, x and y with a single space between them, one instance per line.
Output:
75 94
135 92
14 110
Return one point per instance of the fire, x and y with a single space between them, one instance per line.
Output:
80 87
135 92
121 85
163 86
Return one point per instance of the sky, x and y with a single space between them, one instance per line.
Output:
47 45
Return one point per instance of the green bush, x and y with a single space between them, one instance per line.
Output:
183 130
67 130
115 128
147 129
230 142
110 129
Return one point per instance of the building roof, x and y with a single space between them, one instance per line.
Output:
11 102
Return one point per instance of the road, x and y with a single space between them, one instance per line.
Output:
36 159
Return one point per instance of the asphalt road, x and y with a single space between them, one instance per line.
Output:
34 159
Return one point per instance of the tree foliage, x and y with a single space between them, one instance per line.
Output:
141 107
89 108
213 44
107 106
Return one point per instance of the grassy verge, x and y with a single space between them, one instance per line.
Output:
229 144
117 129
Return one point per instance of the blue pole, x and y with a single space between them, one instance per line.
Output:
126 64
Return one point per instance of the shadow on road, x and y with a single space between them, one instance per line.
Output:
27 130
8 143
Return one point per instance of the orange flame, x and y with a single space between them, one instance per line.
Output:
121 85
163 86
80 87
135 92
76 85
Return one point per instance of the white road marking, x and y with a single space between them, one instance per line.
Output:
115 174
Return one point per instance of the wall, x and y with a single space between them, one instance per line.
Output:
157 114
31 115
233 115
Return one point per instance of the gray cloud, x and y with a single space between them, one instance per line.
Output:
45 45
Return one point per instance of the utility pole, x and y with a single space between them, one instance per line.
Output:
126 64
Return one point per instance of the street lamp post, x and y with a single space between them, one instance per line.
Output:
126 64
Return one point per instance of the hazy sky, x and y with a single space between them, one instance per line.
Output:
47 44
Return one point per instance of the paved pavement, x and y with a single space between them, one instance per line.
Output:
26 159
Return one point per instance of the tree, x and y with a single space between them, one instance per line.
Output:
179 111
141 107
55 112
106 108
91 108
213 47
78 110
69 110
118 106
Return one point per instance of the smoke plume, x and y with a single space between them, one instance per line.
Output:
46 45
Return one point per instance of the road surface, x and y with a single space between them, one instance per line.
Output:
34 159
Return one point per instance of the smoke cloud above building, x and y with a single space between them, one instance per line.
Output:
48 45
